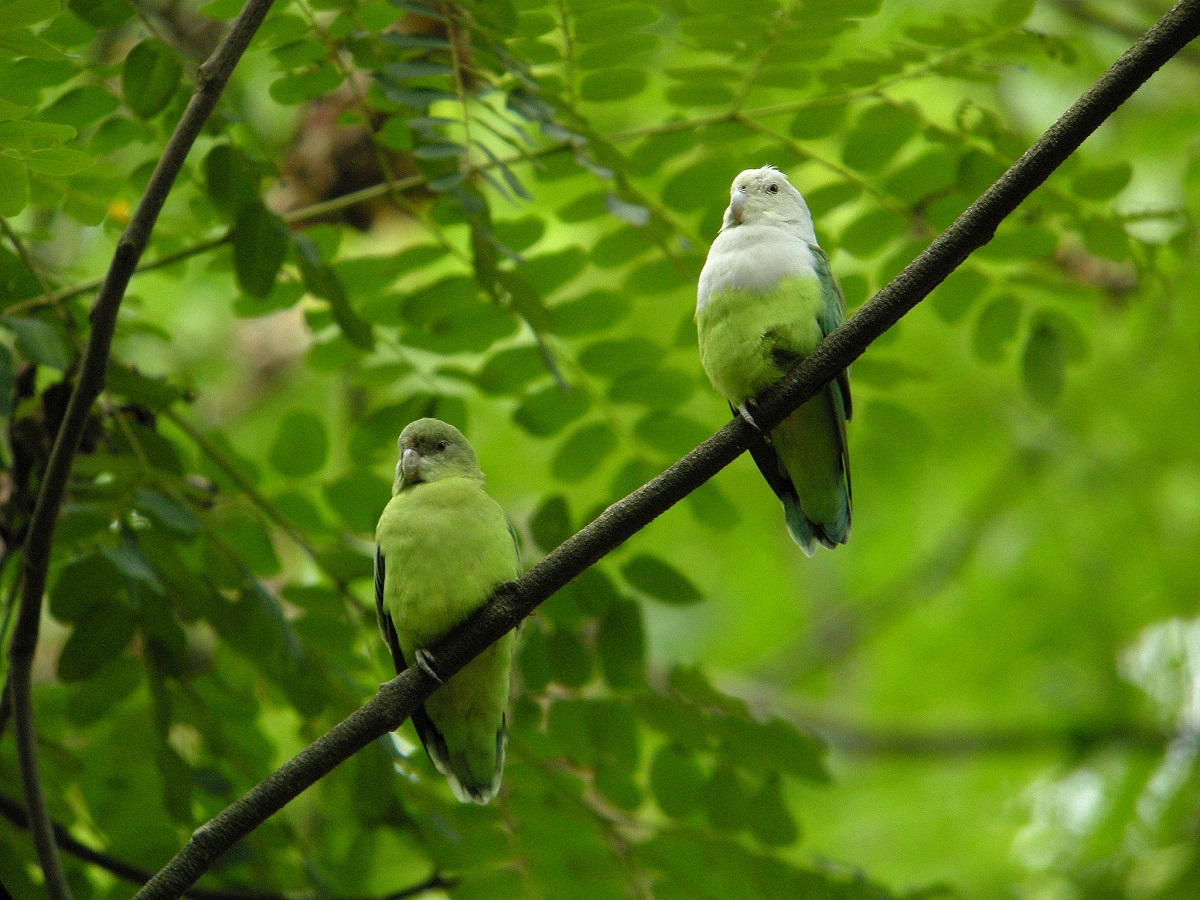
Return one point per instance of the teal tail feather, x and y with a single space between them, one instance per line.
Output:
807 465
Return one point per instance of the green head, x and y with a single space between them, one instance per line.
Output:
431 450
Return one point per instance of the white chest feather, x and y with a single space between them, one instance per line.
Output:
753 258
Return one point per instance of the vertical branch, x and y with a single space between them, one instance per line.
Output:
211 81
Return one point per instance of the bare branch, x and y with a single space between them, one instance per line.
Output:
398 698
211 80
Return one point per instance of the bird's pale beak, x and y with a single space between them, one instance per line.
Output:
736 203
410 465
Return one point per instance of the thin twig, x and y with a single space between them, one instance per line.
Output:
211 80
398 698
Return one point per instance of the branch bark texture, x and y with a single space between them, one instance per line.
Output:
398 698
211 81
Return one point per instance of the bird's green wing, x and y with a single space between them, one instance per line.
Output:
431 738
833 313
386 628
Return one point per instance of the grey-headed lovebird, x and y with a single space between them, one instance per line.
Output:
443 545
767 297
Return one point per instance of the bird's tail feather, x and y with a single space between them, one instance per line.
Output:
810 444
473 777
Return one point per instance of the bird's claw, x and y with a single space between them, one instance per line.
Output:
424 663
744 411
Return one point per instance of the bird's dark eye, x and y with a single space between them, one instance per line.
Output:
772 188
441 445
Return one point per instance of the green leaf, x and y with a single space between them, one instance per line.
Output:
768 817
166 511
658 388
153 393
583 452
1102 182
660 580
93 699
83 583
676 780
149 78
954 297
725 798
772 746
260 245
1106 237
548 411
550 523
14 186
100 636
671 434
570 661
621 644
533 658
81 106
996 326
299 87
508 371
869 232
102 13
230 179
710 506
58 161
612 84
20 42
592 312
301 445
1043 365
877 136
610 358
24 135
129 560
358 499
322 281
525 299
22 13
39 342
1012 12
818 121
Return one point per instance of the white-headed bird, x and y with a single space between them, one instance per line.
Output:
767 297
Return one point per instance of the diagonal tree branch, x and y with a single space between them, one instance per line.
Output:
211 81
16 814
398 698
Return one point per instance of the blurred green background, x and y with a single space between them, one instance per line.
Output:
990 692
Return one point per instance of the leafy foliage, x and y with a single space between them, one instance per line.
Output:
495 213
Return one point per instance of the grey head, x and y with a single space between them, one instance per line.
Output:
766 197
431 450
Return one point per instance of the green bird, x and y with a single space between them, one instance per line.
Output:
443 545
767 297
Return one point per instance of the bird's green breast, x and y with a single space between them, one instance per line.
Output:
742 334
447 546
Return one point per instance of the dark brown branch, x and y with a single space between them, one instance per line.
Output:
12 810
211 80
397 699
908 742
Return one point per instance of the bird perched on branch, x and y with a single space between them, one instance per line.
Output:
443 546
767 297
